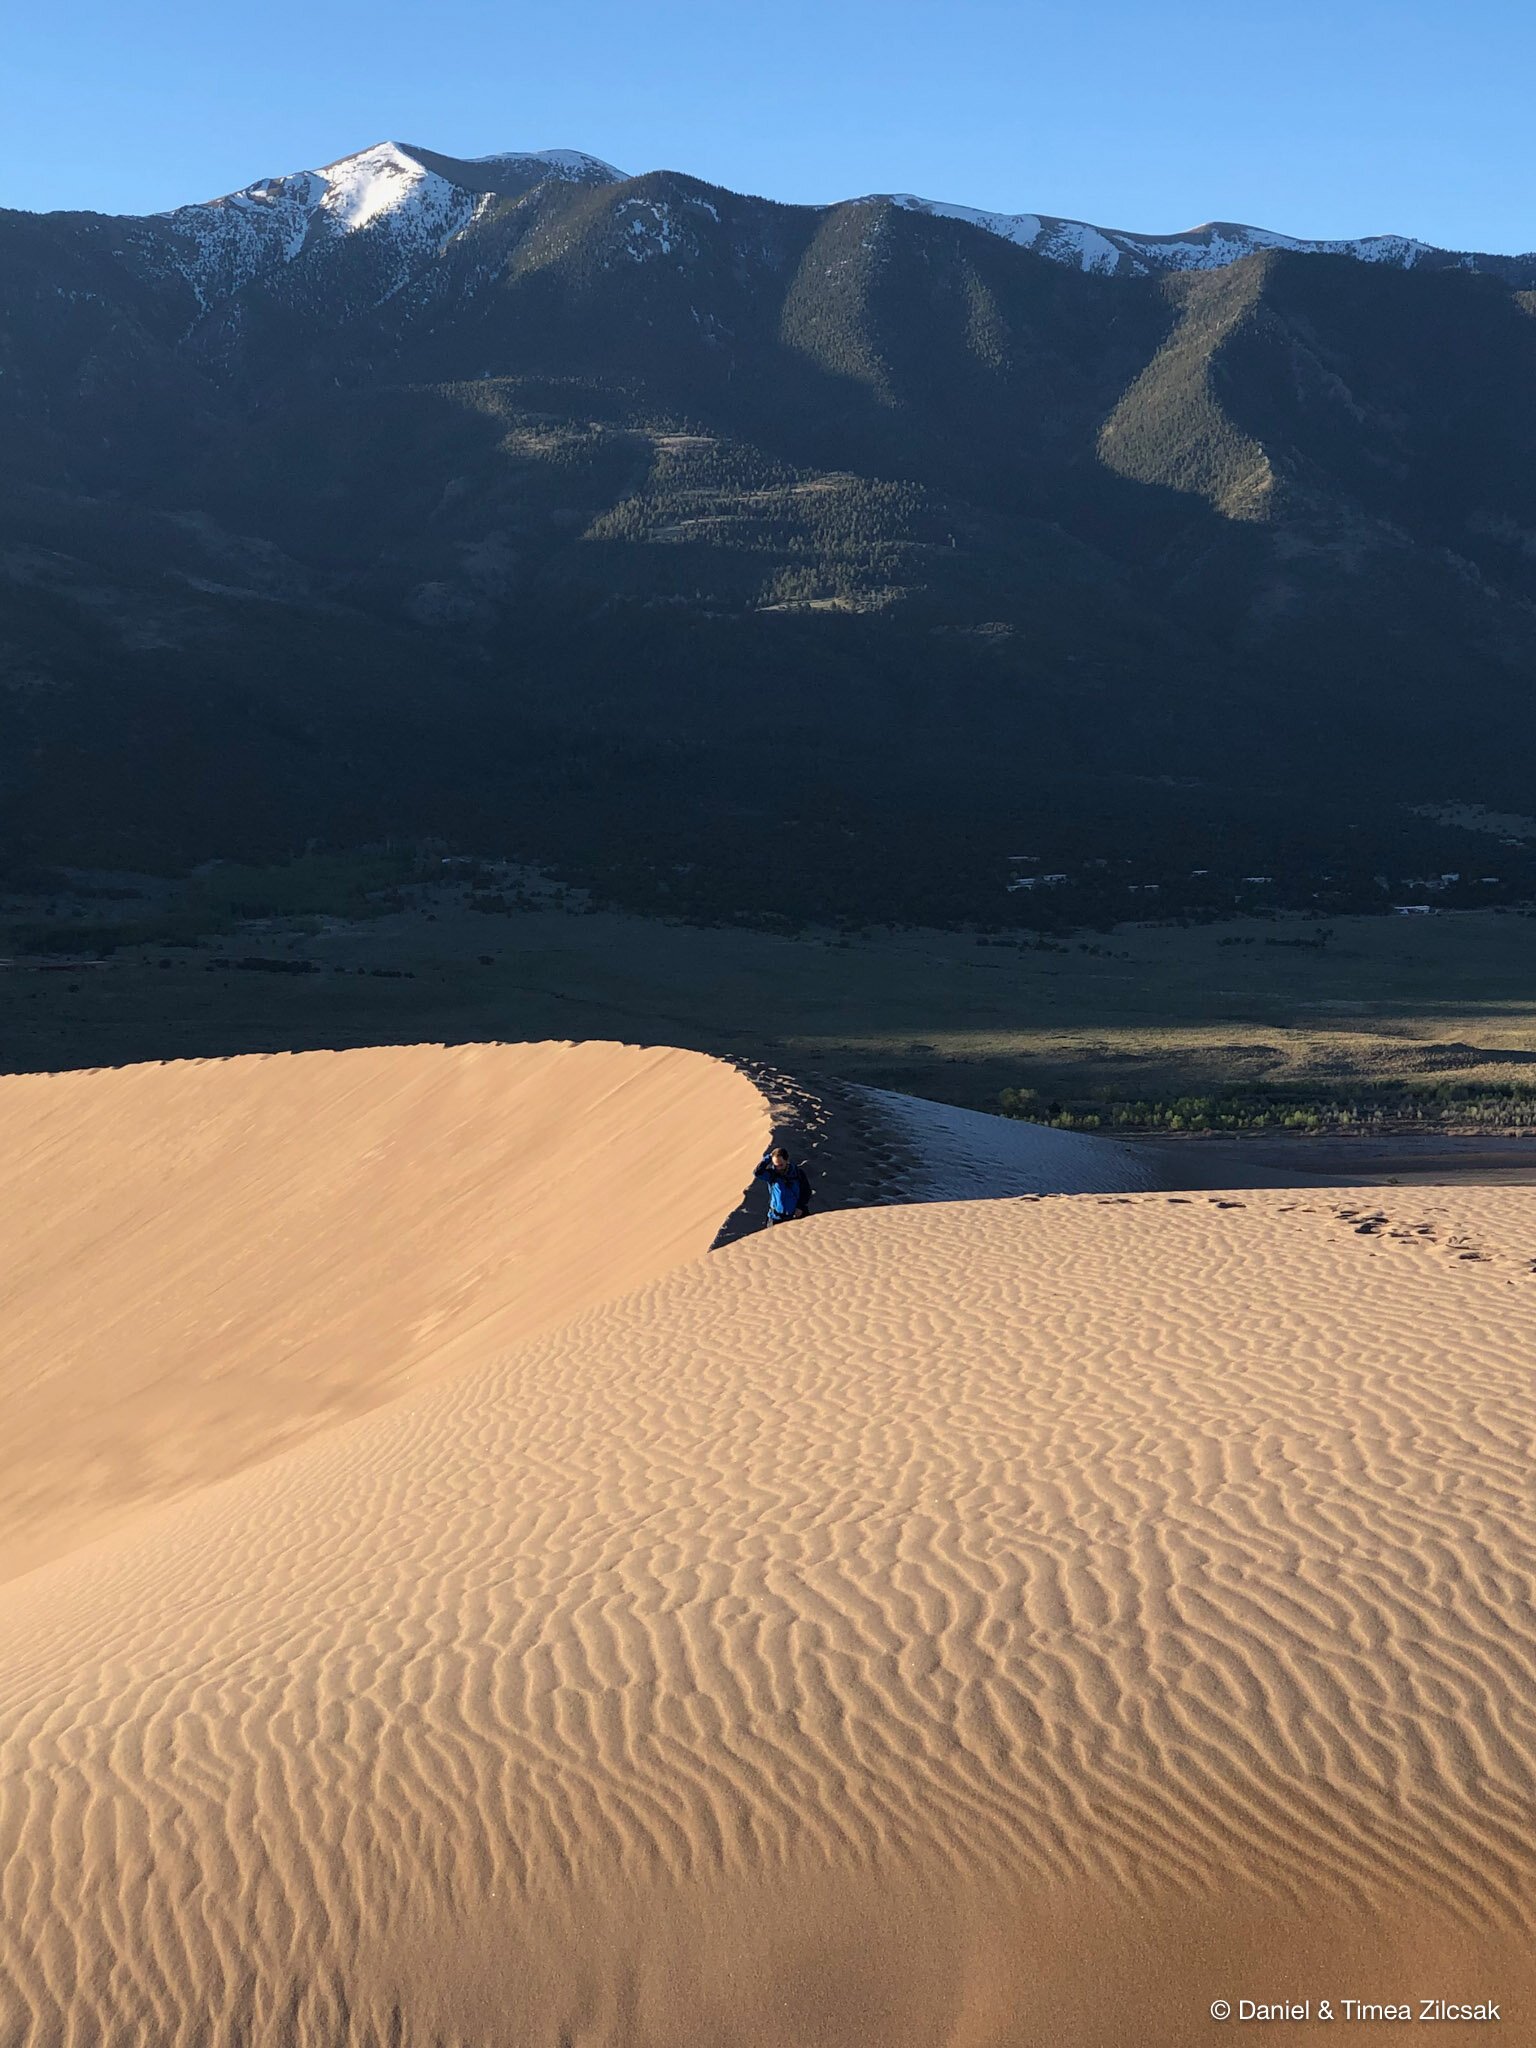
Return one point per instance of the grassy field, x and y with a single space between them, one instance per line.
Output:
1436 1011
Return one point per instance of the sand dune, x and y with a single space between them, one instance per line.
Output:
1015 1622
871 1147
207 1262
955 1155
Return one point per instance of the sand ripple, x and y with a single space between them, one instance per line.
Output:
1170 1556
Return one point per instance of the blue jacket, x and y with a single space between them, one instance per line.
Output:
789 1192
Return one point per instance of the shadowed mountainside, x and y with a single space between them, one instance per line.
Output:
641 527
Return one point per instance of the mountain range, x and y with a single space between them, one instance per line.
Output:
420 199
875 559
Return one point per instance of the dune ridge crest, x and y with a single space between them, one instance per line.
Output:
209 1261
1155 1575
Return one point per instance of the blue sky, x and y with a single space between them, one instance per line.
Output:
1321 119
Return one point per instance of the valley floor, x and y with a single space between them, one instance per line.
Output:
1389 1030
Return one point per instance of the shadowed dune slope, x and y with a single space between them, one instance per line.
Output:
959 1154
1009 1622
208 1261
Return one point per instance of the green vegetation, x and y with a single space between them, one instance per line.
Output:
1394 1106
1170 427
219 899
363 884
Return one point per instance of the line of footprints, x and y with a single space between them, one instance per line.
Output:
1371 1223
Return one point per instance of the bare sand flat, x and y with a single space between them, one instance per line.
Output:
1017 1622
207 1262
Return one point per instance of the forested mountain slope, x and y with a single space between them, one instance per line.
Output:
746 557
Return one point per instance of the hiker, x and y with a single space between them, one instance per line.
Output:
789 1189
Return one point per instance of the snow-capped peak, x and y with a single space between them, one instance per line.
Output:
419 198
375 181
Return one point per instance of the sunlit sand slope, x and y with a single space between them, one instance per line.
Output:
206 1262
1020 1622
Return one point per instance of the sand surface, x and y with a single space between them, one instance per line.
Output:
1018 1622
867 1148
954 1155
207 1262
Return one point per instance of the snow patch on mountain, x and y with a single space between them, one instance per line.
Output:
1023 228
226 241
655 227
1078 245
1221 242
1108 251
650 228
